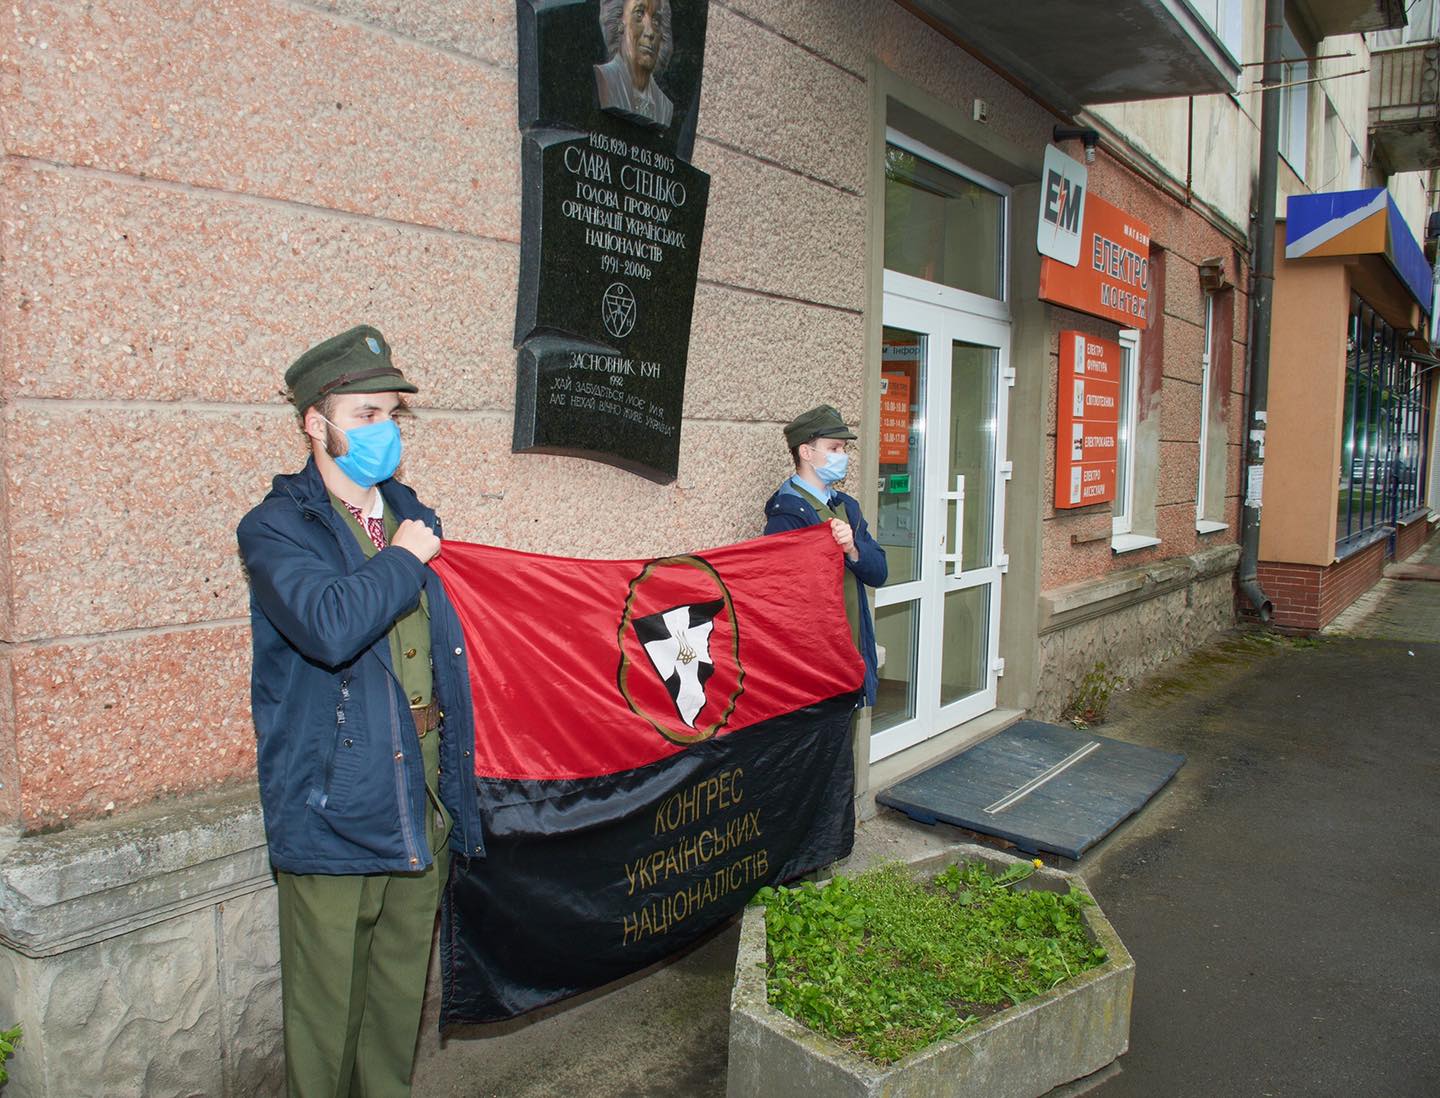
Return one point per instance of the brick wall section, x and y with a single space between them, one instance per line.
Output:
1307 596
1168 401
1410 538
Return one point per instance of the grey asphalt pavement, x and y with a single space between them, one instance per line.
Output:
1280 897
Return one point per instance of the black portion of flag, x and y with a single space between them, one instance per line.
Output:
588 880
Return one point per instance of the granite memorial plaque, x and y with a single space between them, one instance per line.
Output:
612 215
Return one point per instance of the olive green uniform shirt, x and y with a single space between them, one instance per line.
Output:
410 653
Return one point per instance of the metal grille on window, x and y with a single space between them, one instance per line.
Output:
1387 413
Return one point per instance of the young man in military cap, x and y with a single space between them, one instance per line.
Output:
817 441
363 725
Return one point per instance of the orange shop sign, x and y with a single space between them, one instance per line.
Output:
1112 279
1087 427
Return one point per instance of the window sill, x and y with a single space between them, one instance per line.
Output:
1362 541
1128 543
1417 515
1209 526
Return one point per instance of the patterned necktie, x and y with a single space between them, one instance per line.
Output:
375 527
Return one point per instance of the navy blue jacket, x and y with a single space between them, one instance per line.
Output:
787 509
342 782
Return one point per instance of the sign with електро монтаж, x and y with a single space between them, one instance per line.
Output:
1112 279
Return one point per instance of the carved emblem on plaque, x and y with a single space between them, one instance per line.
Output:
617 309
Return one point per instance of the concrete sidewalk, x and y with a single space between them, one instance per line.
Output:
1279 896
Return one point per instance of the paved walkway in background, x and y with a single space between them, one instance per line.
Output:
1279 896
1398 607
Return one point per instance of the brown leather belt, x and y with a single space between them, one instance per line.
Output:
427 717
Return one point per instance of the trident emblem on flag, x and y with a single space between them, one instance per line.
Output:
678 614
678 644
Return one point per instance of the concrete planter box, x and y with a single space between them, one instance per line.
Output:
1063 1035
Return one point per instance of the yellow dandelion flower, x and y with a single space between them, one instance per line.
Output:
1039 864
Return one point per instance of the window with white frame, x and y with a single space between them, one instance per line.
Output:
1224 17
1123 509
1210 489
1137 457
1294 98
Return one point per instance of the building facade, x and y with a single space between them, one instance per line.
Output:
1350 459
194 194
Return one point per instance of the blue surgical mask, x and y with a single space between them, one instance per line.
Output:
373 454
834 468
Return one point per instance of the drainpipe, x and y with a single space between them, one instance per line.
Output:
1262 292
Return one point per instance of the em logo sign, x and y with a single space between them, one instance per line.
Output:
1062 207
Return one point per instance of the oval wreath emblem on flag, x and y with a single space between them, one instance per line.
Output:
680 649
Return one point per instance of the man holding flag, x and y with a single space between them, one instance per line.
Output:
358 655
817 441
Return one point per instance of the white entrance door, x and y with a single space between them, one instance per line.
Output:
945 379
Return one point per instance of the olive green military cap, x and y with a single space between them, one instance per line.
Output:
822 421
357 361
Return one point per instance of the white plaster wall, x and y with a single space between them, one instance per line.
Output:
1215 151
1411 196
1212 142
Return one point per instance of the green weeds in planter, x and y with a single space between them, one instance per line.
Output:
9 1038
885 965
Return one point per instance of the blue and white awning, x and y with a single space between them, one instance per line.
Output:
1364 222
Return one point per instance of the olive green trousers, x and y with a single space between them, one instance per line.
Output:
354 953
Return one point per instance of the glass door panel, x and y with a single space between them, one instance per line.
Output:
965 651
974 379
903 377
897 629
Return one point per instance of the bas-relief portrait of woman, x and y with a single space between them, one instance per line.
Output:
639 41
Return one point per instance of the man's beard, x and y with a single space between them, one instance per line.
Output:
335 443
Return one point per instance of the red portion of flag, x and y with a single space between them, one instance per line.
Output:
580 668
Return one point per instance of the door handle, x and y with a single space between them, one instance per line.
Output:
954 560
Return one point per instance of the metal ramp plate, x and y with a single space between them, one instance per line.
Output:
1041 786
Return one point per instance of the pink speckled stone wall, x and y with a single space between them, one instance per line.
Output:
268 100
192 193
9 761
127 719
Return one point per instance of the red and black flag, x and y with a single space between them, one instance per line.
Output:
654 741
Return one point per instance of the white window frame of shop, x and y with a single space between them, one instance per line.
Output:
1204 525
1123 538
938 293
